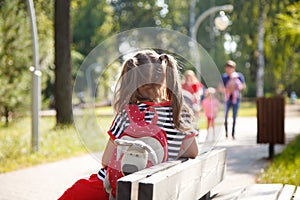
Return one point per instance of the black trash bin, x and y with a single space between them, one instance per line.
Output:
270 121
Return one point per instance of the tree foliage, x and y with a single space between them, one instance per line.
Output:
281 49
14 73
289 21
95 21
91 24
16 55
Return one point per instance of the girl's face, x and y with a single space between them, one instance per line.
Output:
189 77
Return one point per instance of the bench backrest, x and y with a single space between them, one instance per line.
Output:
181 179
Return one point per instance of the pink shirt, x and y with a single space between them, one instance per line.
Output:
211 107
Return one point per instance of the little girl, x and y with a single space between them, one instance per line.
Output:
211 106
147 80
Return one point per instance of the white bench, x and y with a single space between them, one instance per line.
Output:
181 179
265 192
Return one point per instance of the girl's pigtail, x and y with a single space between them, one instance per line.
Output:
173 88
121 95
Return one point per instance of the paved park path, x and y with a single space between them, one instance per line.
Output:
245 158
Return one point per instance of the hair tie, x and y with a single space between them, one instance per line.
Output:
130 63
163 57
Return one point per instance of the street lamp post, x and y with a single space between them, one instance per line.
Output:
221 23
36 82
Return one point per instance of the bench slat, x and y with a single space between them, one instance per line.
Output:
168 183
128 185
213 170
189 180
297 194
287 192
261 192
229 193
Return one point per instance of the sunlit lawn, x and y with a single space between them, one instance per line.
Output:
285 167
55 143
247 109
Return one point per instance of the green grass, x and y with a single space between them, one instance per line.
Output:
55 143
285 166
247 109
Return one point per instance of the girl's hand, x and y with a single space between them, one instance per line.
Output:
189 148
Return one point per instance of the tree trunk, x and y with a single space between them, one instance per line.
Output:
63 69
6 115
261 58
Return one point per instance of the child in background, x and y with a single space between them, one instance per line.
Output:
210 105
148 80
192 90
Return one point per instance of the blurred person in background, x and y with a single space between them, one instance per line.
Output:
233 84
192 90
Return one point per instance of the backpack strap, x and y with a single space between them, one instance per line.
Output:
135 115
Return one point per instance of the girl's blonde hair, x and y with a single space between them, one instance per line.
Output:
148 76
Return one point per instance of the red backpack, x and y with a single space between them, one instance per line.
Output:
141 145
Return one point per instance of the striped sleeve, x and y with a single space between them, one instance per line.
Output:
119 124
101 174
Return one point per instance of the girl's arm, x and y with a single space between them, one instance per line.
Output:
108 152
189 148
117 124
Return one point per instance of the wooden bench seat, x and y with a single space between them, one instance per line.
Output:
266 192
180 179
